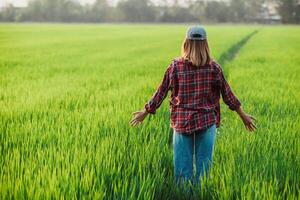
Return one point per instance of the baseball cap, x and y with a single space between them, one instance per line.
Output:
196 33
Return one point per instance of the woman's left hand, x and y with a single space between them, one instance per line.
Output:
138 118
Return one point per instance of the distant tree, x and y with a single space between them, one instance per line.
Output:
34 11
172 11
298 13
237 11
198 9
253 8
217 11
53 10
99 11
9 14
147 11
136 10
289 10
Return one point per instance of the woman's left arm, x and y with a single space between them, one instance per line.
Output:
233 103
156 100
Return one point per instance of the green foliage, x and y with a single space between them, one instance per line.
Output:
289 11
67 93
154 11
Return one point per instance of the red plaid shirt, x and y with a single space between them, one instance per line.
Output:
195 97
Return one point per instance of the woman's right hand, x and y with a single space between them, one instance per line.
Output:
138 118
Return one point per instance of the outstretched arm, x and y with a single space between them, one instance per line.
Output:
247 119
233 103
155 101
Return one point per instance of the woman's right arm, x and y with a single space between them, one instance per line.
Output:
156 100
160 94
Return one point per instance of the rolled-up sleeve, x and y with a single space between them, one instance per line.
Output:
156 100
228 96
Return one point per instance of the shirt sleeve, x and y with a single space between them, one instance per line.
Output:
156 100
228 96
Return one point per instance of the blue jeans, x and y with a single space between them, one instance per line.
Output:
199 143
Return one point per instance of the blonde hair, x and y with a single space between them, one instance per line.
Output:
196 51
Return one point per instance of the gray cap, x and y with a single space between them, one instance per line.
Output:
196 33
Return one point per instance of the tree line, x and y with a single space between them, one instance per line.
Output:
146 11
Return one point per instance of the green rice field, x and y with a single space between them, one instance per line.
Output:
67 92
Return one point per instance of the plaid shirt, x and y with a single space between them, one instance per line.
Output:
195 97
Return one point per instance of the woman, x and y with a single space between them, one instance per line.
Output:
196 82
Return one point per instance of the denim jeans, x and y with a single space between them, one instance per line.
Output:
199 144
